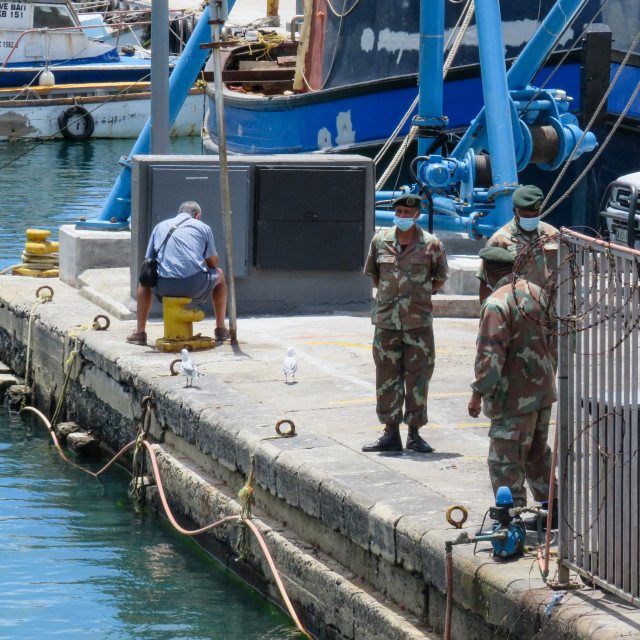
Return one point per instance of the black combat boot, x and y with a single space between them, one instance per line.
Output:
416 443
390 440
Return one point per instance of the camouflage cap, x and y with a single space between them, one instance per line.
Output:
407 200
496 255
528 198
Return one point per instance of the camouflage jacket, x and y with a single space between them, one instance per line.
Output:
403 278
514 364
539 268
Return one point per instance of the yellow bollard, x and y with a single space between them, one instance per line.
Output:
178 327
40 256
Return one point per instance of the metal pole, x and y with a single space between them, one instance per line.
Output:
431 63
160 77
562 423
498 109
224 176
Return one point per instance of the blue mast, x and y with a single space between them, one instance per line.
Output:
116 211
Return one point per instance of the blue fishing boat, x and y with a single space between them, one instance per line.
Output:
353 75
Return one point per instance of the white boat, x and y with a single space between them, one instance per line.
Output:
95 110
48 36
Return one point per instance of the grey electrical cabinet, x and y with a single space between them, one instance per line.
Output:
301 224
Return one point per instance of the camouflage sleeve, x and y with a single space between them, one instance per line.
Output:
371 265
440 267
491 345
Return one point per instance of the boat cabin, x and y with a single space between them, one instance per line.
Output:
42 33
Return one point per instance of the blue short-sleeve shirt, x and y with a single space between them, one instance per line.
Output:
185 251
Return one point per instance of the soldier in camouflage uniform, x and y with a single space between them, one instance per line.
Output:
514 375
518 234
407 265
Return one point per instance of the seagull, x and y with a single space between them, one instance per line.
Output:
188 368
290 366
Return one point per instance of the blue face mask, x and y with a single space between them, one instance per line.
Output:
529 224
404 224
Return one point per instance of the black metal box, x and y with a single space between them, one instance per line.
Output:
309 218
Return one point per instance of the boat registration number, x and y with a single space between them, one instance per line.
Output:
12 10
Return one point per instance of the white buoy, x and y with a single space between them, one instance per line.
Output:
46 79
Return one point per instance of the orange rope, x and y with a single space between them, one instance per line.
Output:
165 504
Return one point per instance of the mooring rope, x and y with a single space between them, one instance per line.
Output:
43 297
470 10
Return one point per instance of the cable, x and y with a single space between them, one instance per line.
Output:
346 13
445 70
589 125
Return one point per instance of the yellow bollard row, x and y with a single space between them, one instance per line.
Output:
40 256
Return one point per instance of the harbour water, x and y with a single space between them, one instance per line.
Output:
54 183
78 561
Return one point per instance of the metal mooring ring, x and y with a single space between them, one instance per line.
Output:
44 286
172 364
99 327
148 403
457 523
286 434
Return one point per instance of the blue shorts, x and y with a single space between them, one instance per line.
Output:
198 287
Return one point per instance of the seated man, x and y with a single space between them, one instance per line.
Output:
187 267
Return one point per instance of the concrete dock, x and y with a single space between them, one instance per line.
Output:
359 538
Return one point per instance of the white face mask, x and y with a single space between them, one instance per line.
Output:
529 224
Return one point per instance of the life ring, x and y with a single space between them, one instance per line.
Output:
81 113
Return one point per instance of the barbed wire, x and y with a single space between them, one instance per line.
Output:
589 307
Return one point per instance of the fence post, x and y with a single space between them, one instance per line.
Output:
562 423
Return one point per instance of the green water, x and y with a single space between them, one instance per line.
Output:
77 561
56 182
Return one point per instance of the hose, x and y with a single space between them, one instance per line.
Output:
156 471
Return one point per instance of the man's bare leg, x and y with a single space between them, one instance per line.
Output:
219 297
144 304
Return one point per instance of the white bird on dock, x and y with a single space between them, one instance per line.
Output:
290 366
188 368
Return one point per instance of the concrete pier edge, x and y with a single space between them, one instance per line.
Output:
359 563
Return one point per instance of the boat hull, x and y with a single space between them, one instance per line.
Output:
128 69
113 117
347 118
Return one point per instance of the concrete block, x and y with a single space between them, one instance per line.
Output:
460 244
82 249
462 275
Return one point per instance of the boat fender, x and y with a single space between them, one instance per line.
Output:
70 112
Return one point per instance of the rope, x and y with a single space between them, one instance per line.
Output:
42 299
470 10
163 498
566 54
67 377
588 127
346 13
414 104
96 326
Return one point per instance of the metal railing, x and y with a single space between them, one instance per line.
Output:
598 414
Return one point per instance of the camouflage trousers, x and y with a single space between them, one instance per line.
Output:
518 450
404 366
